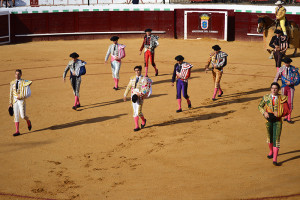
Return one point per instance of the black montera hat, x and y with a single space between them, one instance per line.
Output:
138 67
287 60
179 58
114 38
277 31
134 98
74 55
11 111
216 47
148 30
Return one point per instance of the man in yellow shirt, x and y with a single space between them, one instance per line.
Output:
280 15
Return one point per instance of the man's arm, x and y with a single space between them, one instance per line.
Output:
107 54
261 109
11 94
271 44
277 75
66 71
174 73
127 89
142 47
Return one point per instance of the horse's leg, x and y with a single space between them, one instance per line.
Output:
295 52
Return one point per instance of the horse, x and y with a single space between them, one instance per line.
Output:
267 26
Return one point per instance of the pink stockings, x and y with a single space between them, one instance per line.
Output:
17 124
179 102
216 91
275 154
17 127
273 151
76 101
116 82
136 121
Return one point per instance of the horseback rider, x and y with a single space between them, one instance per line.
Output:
280 15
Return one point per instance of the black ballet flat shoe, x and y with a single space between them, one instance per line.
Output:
275 163
16 134
136 129
30 126
179 110
156 73
190 105
213 99
116 88
284 119
270 156
290 121
74 107
142 126
78 105
220 94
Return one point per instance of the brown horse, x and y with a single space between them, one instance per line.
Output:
267 26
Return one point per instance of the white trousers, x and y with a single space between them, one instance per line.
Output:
19 110
115 68
137 108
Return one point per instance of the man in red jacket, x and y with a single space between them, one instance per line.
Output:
149 44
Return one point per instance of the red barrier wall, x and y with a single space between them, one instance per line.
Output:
104 21
3 27
172 22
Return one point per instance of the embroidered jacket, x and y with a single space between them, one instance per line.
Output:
115 50
218 60
74 68
150 42
22 90
266 105
280 13
182 72
132 85
287 74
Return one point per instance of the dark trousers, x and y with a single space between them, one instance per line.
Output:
278 57
181 86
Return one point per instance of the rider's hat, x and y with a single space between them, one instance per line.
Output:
279 2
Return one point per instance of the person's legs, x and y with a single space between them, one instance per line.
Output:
146 60
153 63
282 24
178 95
22 109
290 95
215 89
184 93
115 67
277 127
16 116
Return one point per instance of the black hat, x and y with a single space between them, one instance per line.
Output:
74 55
272 117
148 30
278 31
138 67
179 58
287 60
216 47
11 111
134 98
114 38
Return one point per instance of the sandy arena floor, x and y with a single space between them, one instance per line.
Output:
216 150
